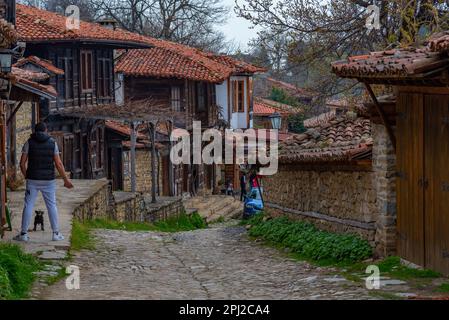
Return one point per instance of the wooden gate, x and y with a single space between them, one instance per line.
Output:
436 183
423 179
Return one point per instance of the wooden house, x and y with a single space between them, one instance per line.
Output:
416 123
86 57
187 81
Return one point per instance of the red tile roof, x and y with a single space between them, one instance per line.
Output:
30 75
122 129
161 62
265 107
45 65
439 42
341 139
18 79
238 66
173 60
392 64
36 25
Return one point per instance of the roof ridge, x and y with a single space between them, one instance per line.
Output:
173 46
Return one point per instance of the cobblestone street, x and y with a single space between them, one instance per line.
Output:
215 263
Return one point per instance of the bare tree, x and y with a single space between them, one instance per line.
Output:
191 22
318 32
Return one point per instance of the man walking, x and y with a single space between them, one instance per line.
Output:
40 156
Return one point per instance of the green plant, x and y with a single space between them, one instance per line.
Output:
117 225
444 287
182 222
16 271
393 266
308 242
281 96
81 237
5 284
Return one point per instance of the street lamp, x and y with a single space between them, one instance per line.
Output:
5 60
276 120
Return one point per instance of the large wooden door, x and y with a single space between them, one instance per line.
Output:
423 179
410 167
436 160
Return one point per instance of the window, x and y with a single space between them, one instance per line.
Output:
201 96
86 70
65 82
104 77
176 99
238 100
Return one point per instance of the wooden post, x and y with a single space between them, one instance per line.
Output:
133 156
383 116
171 175
153 161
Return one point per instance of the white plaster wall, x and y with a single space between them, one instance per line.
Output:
222 98
119 87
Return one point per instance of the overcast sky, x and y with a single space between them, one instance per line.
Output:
237 29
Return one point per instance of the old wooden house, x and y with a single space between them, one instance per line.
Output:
85 54
416 121
22 88
187 81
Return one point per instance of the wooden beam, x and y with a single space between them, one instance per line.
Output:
383 116
153 161
11 116
133 156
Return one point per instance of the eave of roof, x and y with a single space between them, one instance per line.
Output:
39 26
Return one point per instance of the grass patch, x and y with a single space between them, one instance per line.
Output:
384 295
183 222
308 242
444 287
81 237
393 267
219 220
116 225
16 271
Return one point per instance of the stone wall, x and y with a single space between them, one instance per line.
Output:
143 172
97 205
360 202
338 201
166 207
128 207
23 130
384 165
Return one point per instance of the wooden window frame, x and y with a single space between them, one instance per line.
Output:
87 71
238 96
175 99
201 96
104 78
66 63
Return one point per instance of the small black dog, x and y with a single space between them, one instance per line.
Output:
39 219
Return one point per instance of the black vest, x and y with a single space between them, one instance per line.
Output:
41 151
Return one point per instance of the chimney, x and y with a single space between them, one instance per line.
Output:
108 23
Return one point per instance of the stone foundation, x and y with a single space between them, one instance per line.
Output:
97 205
337 201
128 207
165 208
384 165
